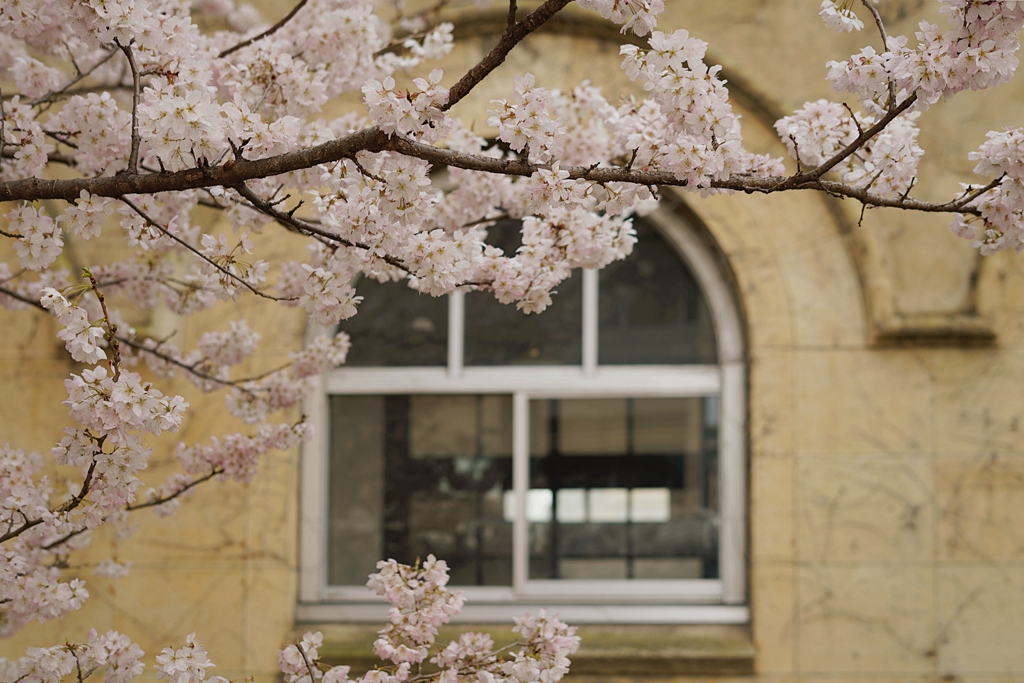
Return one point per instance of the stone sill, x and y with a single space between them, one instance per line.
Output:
663 651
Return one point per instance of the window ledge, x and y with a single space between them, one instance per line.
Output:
620 650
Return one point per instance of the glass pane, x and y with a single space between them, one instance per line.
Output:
651 309
397 326
623 488
415 475
499 334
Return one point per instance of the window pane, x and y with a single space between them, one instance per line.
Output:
499 334
623 488
415 475
651 309
397 326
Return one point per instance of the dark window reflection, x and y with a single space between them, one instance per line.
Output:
499 334
623 489
415 475
651 309
397 326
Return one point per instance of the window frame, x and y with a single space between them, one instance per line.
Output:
719 600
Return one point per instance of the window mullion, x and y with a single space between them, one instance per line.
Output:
456 332
590 311
520 484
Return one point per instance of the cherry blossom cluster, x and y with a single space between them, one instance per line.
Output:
418 114
39 239
112 652
186 664
687 126
237 455
839 17
30 587
886 164
529 120
1001 225
420 604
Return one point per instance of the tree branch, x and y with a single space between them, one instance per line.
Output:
288 220
885 47
198 253
239 171
66 506
235 384
160 501
845 152
63 91
115 353
131 508
266 33
133 157
514 33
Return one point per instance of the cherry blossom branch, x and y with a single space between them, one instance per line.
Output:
184 366
132 508
53 157
372 139
29 523
885 45
64 91
198 253
266 33
160 501
227 175
305 660
110 336
63 508
23 299
133 157
845 152
142 348
739 183
289 220
513 34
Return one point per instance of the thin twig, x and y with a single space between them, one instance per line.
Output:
133 158
288 220
23 299
845 152
236 384
160 501
266 33
309 667
513 34
111 335
173 361
198 253
885 48
132 508
980 191
853 117
65 507
50 96
395 44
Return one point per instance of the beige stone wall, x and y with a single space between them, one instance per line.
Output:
886 368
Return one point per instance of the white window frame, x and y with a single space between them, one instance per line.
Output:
719 600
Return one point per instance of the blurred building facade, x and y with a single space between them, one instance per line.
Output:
835 492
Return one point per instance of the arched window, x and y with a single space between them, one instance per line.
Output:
589 458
